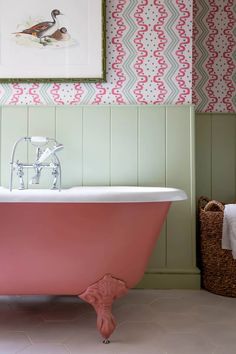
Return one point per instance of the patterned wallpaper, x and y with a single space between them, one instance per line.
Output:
214 55
149 59
150 55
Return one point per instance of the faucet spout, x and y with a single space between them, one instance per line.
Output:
35 179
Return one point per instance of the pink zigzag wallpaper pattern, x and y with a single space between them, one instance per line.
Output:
214 55
151 59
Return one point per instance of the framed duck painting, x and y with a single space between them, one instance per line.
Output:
52 41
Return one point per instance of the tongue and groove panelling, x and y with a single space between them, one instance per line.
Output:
216 156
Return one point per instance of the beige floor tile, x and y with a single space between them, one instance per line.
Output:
44 349
178 322
129 338
186 343
167 305
88 341
139 337
228 303
66 311
19 321
214 314
219 333
135 313
225 349
202 297
138 296
149 322
55 332
11 342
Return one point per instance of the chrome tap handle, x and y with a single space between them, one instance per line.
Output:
55 174
20 174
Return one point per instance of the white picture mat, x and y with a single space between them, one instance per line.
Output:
83 20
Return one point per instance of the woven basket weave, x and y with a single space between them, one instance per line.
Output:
217 265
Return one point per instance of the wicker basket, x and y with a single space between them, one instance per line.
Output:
217 265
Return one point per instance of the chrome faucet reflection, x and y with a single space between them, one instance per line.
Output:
46 158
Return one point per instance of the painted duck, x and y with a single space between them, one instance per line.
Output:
60 34
44 29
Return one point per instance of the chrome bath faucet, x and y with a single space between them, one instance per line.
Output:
46 158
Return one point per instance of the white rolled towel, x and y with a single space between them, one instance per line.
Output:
229 229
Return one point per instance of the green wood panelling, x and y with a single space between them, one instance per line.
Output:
152 146
124 145
69 131
178 174
96 145
192 205
14 126
152 164
216 156
0 142
158 257
41 123
223 157
175 279
203 154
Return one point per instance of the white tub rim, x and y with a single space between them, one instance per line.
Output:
93 194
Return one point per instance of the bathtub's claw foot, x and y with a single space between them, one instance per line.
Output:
101 296
106 341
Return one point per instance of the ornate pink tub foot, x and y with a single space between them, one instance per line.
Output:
101 296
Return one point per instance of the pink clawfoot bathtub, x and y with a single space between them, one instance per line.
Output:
93 242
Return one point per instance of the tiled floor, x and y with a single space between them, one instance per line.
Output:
149 322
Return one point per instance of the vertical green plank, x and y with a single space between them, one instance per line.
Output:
192 201
158 257
69 133
151 164
96 145
41 123
124 145
179 171
0 144
223 157
203 155
151 146
14 126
